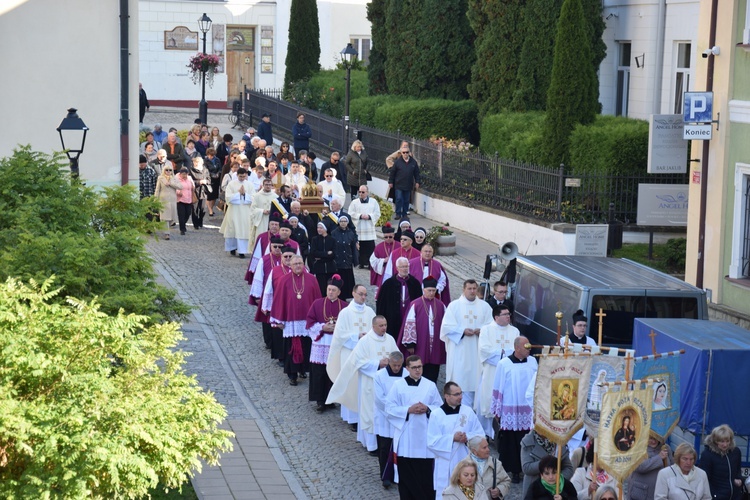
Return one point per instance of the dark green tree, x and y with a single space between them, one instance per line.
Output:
572 98
535 68
376 65
303 50
592 9
499 29
445 54
401 51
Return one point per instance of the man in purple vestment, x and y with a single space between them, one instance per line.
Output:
381 254
395 295
290 301
424 266
260 277
405 250
278 272
261 247
420 334
321 321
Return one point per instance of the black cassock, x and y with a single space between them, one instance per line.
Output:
389 301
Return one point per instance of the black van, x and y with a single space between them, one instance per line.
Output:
623 289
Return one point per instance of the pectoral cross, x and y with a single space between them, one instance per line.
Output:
470 317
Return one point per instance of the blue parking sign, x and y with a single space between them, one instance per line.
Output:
698 107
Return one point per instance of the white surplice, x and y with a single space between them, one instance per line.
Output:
495 342
352 321
410 435
383 383
448 453
462 353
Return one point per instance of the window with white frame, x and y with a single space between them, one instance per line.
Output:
363 48
623 79
739 267
681 75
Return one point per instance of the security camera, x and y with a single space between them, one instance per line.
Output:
713 51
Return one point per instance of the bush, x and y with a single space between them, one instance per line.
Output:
674 254
428 117
386 210
93 405
92 241
513 135
326 91
610 146
363 108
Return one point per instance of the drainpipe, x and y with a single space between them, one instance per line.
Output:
659 55
124 89
704 154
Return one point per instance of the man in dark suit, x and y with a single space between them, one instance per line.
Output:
500 289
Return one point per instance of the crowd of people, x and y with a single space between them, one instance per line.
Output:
381 365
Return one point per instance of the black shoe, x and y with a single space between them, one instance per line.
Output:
396 217
233 252
182 233
292 381
387 484
353 427
302 375
320 408
280 363
268 346
331 406
241 256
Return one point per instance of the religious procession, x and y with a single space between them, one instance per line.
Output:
572 420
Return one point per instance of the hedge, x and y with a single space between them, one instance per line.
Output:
363 109
515 136
325 91
610 146
421 118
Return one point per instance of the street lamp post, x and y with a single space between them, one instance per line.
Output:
204 23
347 56
75 130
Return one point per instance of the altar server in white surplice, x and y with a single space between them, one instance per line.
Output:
368 356
384 381
352 324
450 428
409 403
460 331
495 342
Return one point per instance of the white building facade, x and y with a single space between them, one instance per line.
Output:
651 56
250 38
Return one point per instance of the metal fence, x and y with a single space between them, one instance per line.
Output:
473 179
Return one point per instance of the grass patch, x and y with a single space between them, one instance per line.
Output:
188 493
662 256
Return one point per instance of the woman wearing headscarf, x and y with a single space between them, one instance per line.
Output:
419 236
347 254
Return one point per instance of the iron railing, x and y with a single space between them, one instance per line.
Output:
471 178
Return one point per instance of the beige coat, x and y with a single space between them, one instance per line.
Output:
166 191
503 479
670 485
453 492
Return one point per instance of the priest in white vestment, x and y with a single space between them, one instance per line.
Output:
448 433
384 381
463 319
495 342
409 403
368 356
262 201
352 323
236 224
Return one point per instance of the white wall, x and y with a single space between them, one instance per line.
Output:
164 73
61 55
530 238
637 22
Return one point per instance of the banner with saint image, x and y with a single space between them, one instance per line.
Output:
560 395
624 424
604 368
665 405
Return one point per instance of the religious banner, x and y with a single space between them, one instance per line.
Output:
604 368
665 405
622 440
562 382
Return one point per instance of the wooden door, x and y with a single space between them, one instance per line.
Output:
240 72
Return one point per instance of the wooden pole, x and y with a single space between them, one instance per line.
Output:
557 476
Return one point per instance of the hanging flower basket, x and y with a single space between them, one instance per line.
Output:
203 63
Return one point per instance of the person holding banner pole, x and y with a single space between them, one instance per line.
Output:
534 447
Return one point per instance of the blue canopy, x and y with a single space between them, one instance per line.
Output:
714 370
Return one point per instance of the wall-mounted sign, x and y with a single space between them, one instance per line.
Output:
266 48
180 38
240 38
591 239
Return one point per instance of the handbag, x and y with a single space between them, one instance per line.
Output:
368 176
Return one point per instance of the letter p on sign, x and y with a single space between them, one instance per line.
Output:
698 107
